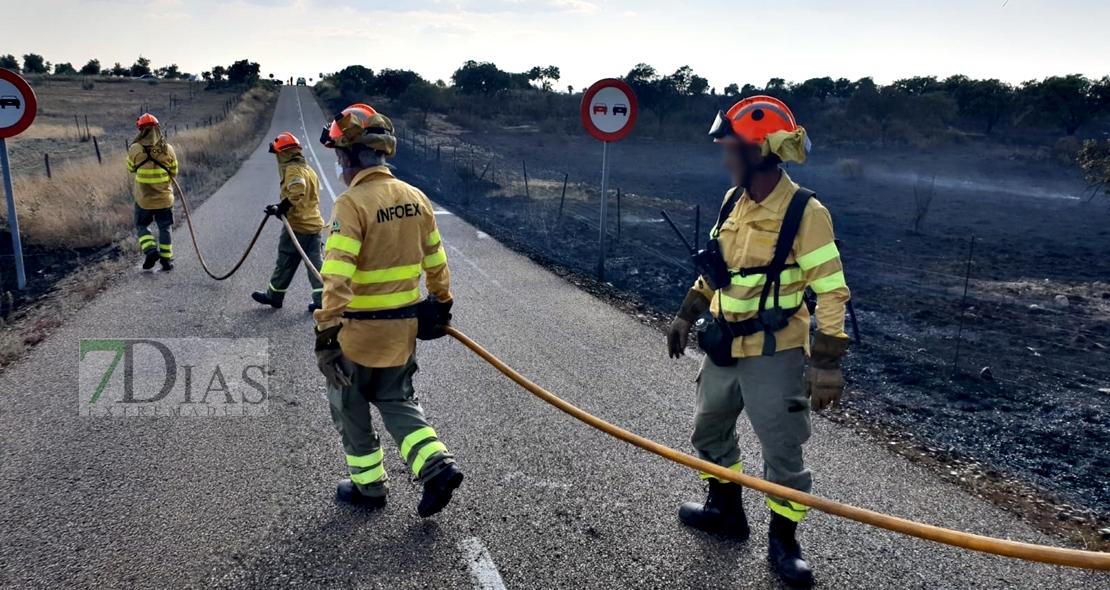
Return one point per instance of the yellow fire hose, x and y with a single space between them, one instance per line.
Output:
1026 551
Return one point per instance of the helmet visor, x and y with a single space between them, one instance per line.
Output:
721 131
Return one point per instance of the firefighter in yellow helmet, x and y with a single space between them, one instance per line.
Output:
154 164
300 205
771 242
383 236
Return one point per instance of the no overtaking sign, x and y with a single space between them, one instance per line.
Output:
609 112
18 107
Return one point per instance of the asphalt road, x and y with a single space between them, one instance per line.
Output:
142 502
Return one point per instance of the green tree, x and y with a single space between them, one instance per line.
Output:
354 80
65 69
481 78
1069 101
171 72
1094 158
243 72
393 83
917 85
843 88
141 67
819 88
34 63
218 74
92 68
545 76
206 76
732 90
120 71
9 62
986 101
424 97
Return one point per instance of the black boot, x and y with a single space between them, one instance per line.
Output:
167 263
785 554
438 490
722 514
150 260
313 307
346 491
264 299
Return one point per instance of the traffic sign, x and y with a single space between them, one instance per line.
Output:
18 105
17 110
609 110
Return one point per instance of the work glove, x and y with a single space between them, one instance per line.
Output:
329 357
678 335
824 379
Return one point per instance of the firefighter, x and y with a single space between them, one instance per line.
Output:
154 164
300 205
383 236
757 341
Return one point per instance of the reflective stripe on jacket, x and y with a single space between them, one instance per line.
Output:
152 182
383 236
300 185
748 240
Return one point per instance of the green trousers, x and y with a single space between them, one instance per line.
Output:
772 390
288 261
390 391
163 218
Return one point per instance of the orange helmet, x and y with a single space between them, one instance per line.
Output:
752 120
146 120
285 141
333 132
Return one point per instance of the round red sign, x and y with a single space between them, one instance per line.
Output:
18 105
609 110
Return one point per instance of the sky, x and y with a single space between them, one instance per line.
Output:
726 41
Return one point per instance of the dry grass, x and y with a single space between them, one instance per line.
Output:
850 168
59 131
86 204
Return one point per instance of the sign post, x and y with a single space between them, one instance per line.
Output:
18 107
609 112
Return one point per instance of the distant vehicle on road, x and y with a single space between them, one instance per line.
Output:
620 109
601 109
9 101
301 82
148 77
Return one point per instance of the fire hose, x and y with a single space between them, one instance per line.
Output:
1006 548
196 245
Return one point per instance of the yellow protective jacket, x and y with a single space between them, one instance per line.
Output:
152 181
383 234
301 187
748 238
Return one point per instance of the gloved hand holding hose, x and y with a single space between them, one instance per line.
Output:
329 356
824 379
279 210
679 333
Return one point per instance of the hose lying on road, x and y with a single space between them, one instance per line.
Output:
196 246
1026 551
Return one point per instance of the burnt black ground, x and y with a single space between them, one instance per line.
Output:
1043 418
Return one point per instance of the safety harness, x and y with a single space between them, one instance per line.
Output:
775 318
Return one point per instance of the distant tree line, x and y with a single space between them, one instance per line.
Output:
242 72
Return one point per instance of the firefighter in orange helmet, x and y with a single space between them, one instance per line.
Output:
300 205
771 242
383 238
154 164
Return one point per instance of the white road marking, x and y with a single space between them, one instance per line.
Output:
308 142
483 235
442 212
482 569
